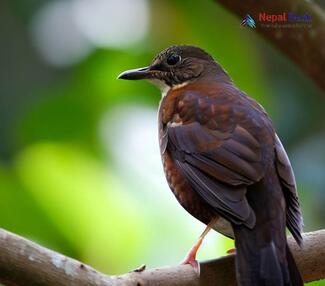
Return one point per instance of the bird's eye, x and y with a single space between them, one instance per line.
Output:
173 59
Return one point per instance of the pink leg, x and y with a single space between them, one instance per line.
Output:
190 258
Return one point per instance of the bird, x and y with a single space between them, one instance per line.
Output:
225 164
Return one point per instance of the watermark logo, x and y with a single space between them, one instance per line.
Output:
279 20
248 21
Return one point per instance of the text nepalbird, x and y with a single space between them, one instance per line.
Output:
283 17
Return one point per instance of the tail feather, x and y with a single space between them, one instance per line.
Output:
270 272
295 275
263 264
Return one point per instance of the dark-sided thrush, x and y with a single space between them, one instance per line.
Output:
225 163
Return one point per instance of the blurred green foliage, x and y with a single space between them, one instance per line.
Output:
61 182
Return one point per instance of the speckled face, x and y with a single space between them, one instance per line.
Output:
179 64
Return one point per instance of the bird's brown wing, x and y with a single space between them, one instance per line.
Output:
219 165
288 183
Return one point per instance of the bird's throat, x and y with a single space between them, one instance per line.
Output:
165 88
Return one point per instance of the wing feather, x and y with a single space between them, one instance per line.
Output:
288 182
229 202
219 166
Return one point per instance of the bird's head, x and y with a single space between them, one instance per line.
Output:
179 65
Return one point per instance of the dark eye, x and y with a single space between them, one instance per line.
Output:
173 59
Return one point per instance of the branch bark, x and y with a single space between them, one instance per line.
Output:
305 46
23 262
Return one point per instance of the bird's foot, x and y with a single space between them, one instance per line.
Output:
190 258
193 262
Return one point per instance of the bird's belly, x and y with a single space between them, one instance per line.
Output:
224 227
184 193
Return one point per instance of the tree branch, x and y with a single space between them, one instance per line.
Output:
23 262
304 45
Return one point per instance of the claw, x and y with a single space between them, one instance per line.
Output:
193 262
231 251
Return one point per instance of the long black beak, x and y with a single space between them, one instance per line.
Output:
142 73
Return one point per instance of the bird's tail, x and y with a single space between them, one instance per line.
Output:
295 275
261 261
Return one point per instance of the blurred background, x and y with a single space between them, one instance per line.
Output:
80 169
